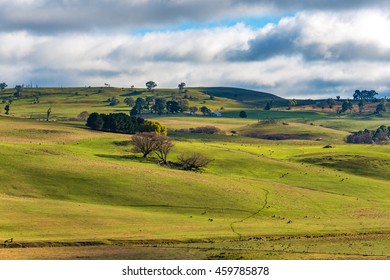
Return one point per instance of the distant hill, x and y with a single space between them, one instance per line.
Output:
244 95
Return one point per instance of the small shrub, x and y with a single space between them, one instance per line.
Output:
208 129
193 161
83 116
269 122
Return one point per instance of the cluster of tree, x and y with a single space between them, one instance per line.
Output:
364 94
348 105
380 135
159 106
122 123
147 143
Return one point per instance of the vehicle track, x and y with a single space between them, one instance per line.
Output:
250 216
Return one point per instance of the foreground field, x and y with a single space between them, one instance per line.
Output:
68 192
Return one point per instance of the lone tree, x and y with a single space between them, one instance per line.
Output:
48 114
291 103
163 146
181 87
18 91
144 142
193 161
268 106
150 86
381 107
6 108
3 86
243 114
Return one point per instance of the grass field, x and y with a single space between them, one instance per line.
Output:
68 192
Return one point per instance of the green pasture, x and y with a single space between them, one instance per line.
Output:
62 182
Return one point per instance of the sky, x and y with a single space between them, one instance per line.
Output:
291 48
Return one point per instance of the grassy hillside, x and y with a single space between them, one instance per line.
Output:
249 97
64 185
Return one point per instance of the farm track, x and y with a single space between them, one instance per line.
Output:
250 216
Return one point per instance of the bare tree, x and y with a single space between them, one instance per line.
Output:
193 161
163 146
144 142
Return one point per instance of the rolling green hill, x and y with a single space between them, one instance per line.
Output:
262 197
249 97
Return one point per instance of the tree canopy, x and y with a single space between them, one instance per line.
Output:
381 107
3 86
181 87
150 86
364 94
380 135
122 123
243 114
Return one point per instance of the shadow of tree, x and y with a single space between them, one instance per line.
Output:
124 157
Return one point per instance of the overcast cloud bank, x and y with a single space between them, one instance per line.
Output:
330 48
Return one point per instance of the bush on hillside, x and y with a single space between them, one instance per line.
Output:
84 115
269 121
243 114
193 161
208 129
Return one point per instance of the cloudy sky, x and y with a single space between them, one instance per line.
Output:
291 48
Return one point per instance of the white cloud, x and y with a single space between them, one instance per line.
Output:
311 53
324 36
53 16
